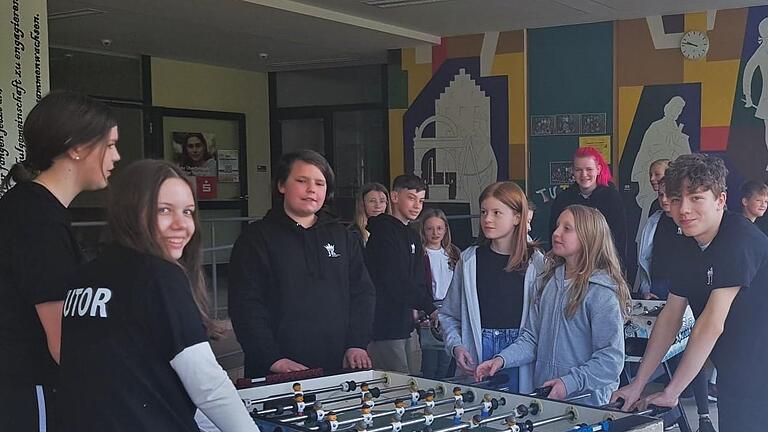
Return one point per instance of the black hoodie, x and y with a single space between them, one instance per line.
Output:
607 200
395 260
299 293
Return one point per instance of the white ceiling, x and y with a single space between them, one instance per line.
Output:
314 33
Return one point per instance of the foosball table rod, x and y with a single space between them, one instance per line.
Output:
346 386
317 413
299 404
427 419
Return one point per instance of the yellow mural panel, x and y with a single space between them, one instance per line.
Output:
696 21
629 98
718 85
418 74
513 66
396 147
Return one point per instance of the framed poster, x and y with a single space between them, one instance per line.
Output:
210 147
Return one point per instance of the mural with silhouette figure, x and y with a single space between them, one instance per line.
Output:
664 139
666 124
759 59
455 137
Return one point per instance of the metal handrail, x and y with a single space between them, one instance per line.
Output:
212 250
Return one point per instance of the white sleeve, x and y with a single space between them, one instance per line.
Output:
211 390
204 423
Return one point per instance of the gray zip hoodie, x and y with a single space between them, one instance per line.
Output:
586 351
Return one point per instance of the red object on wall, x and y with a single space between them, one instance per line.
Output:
439 54
714 138
207 187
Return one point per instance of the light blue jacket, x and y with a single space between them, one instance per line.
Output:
460 314
644 251
585 351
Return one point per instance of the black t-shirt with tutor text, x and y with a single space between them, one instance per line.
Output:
736 257
499 293
126 316
38 254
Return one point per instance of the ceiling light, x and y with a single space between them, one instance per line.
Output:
333 60
398 3
74 14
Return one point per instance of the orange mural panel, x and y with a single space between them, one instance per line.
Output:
727 38
463 46
510 42
638 62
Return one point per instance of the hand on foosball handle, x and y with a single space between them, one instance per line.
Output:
629 394
558 391
663 399
356 358
486 368
285 365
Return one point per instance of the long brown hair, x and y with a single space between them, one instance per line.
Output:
510 194
60 121
132 217
361 218
597 253
450 249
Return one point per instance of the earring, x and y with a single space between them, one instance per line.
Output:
77 157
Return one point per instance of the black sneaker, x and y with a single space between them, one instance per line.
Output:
705 425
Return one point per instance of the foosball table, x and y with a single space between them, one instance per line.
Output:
641 320
375 401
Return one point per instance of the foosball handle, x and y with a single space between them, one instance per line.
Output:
542 391
293 376
655 410
498 379
616 405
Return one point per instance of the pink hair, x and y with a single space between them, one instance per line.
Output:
605 176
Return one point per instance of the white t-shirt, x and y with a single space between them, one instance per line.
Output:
441 272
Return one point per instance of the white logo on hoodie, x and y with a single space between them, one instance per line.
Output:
413 248
331 249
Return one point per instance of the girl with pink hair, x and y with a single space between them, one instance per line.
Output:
593 188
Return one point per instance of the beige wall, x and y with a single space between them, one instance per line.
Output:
177 84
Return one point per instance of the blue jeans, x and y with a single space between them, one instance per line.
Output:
494 341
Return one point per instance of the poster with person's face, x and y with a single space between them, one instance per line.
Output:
195 152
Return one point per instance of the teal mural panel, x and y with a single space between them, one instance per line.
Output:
570 94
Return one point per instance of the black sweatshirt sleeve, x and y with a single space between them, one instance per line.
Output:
249 286
425 301
391 270
362 300
617 222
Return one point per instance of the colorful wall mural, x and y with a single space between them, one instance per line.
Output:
525 100
457 116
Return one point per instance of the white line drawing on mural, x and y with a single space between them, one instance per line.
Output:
664 139
758 59
463 157
567 124
542 125
593 123
560 173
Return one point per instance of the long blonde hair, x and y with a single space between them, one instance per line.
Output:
510 194
597 253
450 249
361 218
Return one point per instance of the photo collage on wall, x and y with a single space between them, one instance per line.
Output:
568 124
